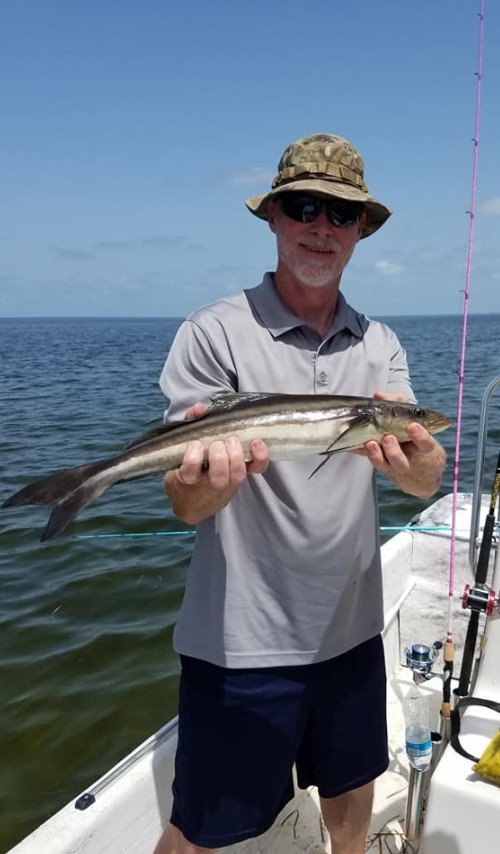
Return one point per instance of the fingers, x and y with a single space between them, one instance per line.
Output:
260 457
390 455
195 411
394 455
223 464
390 395
387 455
421 438
226 463
192 466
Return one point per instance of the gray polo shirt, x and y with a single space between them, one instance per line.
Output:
289 572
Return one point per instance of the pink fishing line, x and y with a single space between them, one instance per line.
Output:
472 214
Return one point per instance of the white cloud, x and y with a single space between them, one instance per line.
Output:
388 268
490 207
258 176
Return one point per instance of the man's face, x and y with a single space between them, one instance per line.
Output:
313 253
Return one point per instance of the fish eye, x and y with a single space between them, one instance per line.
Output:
418 412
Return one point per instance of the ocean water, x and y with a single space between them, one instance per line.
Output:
86 663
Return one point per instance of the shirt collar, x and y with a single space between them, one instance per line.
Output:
266 302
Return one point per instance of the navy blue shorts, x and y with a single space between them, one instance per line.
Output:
241 731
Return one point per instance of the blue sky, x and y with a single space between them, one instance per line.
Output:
132 131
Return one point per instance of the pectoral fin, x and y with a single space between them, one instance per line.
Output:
353 423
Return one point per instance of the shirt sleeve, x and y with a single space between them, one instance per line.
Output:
399 380
196 367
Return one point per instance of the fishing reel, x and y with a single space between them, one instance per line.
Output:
481 599
420 659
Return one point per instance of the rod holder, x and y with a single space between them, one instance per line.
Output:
415 804
418 791
444 731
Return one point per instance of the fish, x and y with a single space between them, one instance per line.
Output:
292 426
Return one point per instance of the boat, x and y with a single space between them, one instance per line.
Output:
446 809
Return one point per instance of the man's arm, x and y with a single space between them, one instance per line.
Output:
415 466
197 491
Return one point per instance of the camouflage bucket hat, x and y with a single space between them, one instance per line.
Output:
325 165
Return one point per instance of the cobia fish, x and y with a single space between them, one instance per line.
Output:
292 426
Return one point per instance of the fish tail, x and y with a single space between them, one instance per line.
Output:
72 504
68 492
53 488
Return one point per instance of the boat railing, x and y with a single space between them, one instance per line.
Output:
479 473
88 797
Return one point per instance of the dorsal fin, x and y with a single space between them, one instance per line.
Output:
221 401
227 400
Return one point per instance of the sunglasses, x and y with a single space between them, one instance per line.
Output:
308 208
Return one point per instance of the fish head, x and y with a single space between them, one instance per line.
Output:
394 417
433 421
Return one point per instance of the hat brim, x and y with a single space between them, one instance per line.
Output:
376 212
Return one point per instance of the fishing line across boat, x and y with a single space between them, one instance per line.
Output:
120 535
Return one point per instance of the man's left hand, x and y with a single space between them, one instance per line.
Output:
415 466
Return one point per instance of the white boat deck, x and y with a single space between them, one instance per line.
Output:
133 802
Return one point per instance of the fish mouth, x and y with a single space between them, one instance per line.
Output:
441 422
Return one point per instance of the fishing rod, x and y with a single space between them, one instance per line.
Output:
449 648
479 599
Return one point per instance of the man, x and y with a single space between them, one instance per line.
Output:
279 633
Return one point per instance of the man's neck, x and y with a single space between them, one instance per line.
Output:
315 305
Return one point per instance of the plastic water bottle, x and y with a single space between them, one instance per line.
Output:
418 734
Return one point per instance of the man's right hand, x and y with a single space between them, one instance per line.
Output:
205 482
